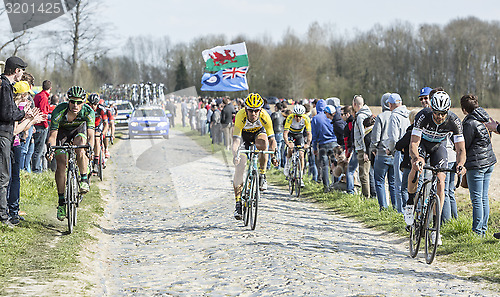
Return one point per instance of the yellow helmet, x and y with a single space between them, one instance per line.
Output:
254 100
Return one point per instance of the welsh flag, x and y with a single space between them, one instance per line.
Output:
227 56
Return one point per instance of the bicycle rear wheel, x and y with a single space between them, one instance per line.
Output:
418 215
254 200
244 203
432 224
298 177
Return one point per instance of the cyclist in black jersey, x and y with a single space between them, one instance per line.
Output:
428 140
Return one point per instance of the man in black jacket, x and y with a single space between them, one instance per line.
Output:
226 122
9 113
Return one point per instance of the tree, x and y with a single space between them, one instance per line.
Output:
82 38
181 76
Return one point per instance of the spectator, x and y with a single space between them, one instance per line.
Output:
173 111
278 120
398 123
361 152
215 124
403 145
480 160
348 116
21 98
40 136
184 112
27 144
384 162
424 97
368 124
323 141
226 122
202 118
9 113
450 204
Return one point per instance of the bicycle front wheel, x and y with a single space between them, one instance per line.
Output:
244 203
254 200
298 177
418 222
71 190
291 177
432 220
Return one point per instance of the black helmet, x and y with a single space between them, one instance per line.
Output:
93 98
76 92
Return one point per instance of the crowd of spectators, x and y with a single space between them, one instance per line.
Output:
357 152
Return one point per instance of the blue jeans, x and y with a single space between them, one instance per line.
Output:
313 170
39 137
384 167
280 146
398 198
351 168
479 183
13 191
450 205
324 152
27 151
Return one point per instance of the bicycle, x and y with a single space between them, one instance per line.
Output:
295 174
427 215
101 160
251 188
72 194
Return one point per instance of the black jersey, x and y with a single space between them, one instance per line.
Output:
427 129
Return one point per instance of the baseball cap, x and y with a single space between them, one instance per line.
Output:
15 62
394 98
329 109
21 87
425 91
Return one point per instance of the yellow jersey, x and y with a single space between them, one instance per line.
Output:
241 123
294 126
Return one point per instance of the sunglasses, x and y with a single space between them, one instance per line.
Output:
75 102
423 98
253 110
440 113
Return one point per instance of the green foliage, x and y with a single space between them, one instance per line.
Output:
181 76
40 247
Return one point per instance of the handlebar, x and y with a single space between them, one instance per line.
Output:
255 151
68 146
436 170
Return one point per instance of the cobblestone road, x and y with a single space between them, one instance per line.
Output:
168 230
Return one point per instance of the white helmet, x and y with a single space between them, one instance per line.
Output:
440 101
299 109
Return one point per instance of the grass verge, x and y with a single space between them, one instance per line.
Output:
479 255
40 248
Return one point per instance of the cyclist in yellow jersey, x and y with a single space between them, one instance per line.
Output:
252 125
297 125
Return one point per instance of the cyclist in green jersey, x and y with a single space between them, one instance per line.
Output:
71 122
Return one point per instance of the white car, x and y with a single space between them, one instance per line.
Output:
124 111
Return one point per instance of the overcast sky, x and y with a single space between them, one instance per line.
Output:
183 20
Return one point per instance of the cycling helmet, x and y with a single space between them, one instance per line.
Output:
76 92
440 101
254 100
93 98
299 109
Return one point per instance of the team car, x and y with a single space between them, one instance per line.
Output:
124 110
149 121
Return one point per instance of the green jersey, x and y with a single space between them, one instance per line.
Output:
59 118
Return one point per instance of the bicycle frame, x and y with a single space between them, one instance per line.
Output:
295 173
72 196
251 192
427 215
